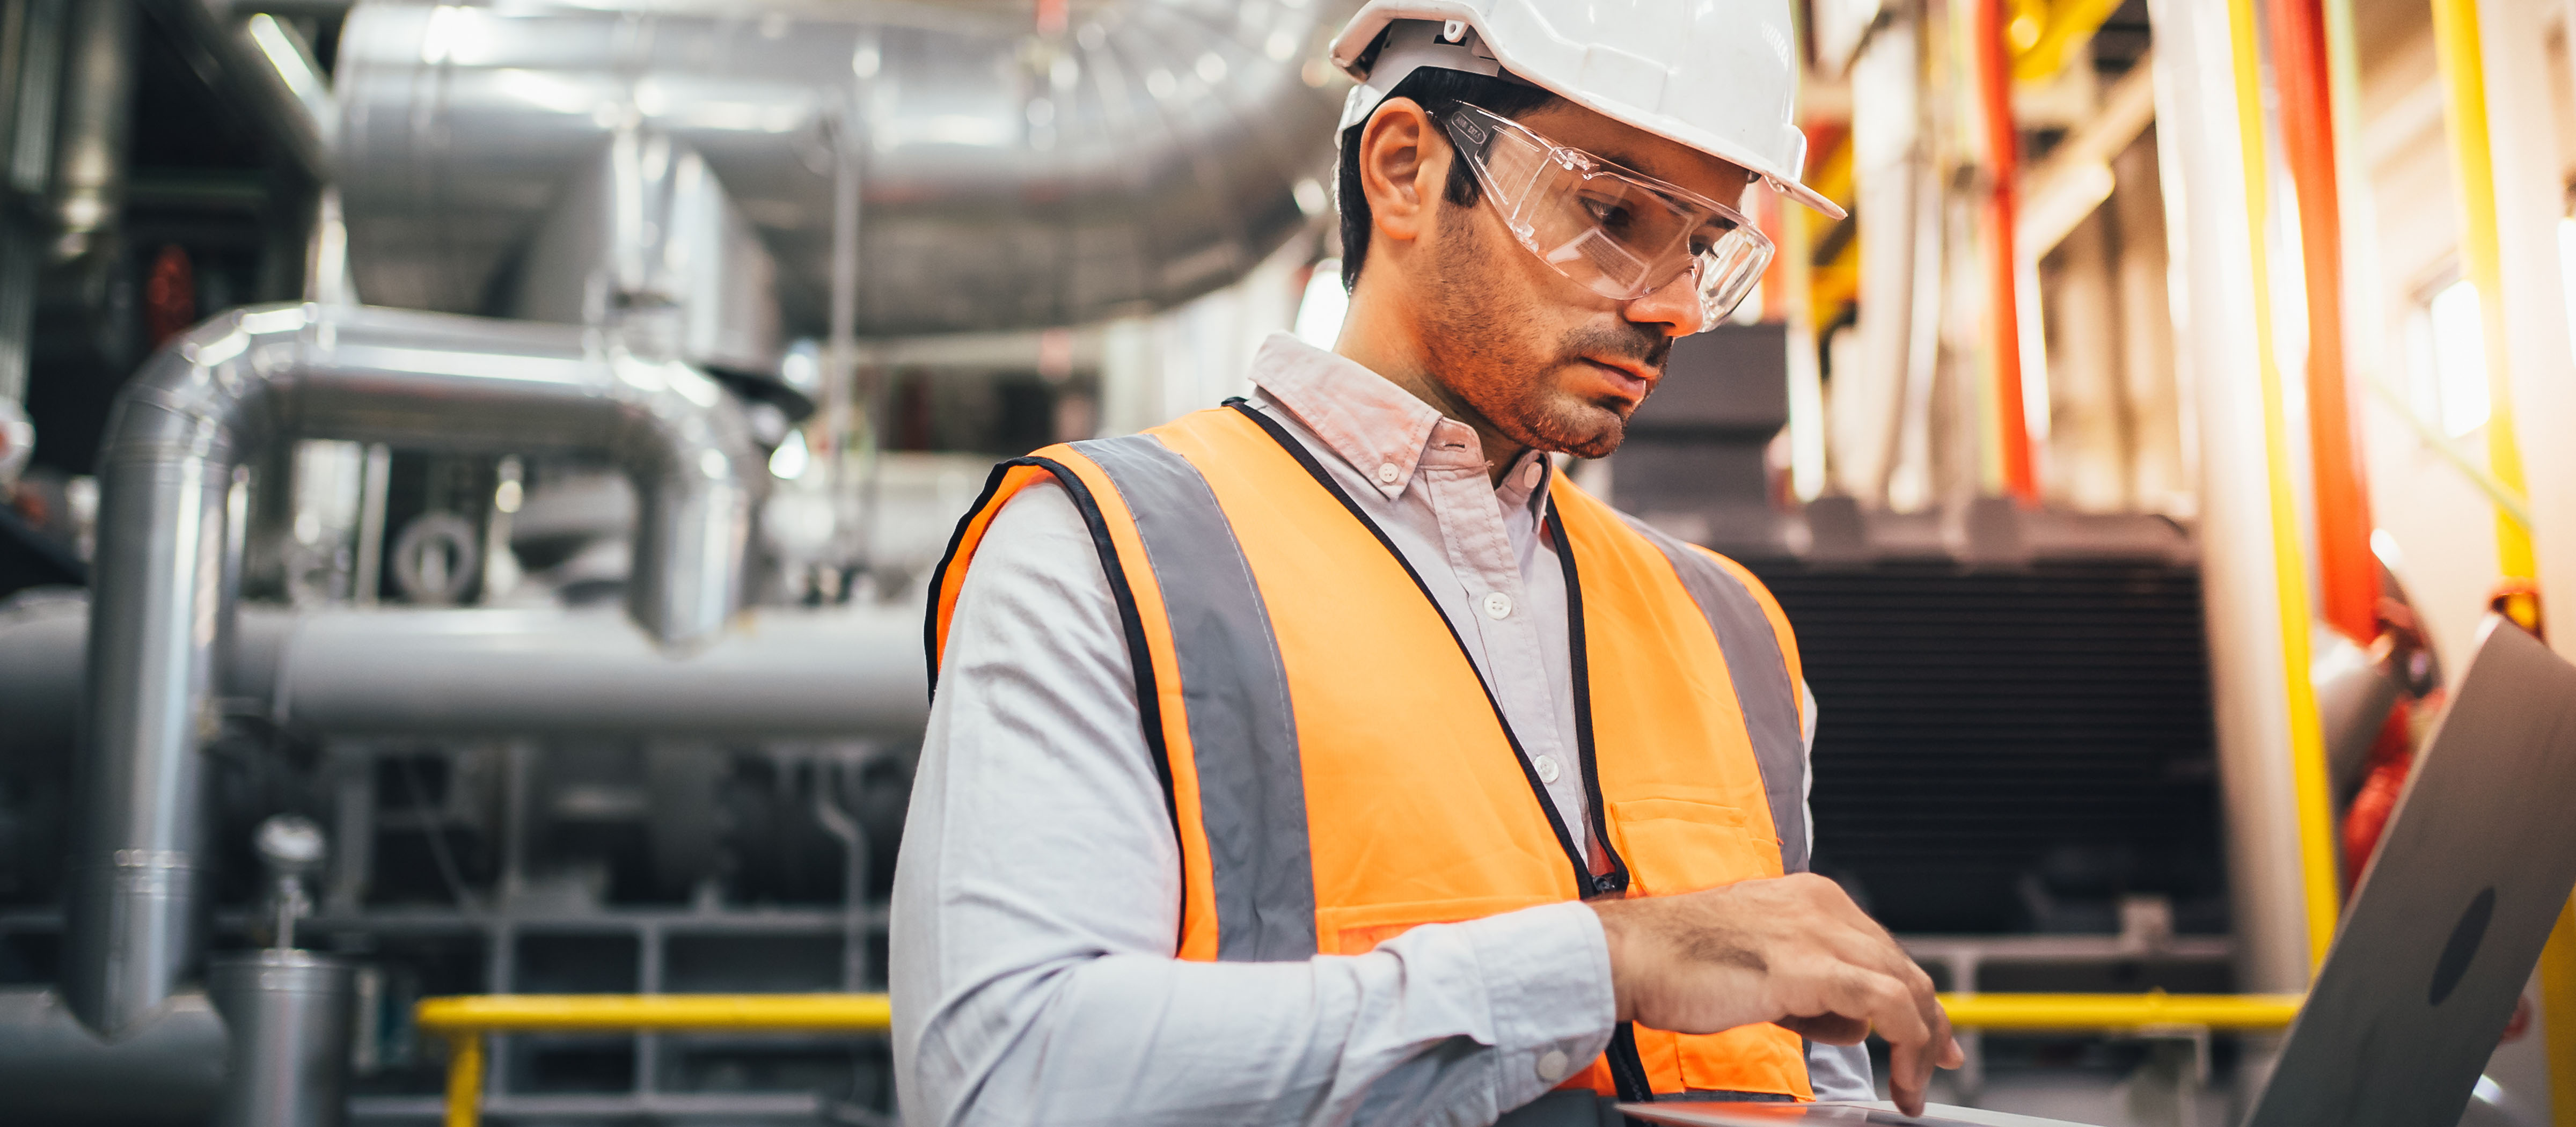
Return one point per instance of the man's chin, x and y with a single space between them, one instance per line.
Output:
1584 430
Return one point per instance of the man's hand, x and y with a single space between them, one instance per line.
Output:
1795 951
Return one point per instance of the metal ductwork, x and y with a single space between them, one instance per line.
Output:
1007 175
57 1071
264 68
778 673
172 486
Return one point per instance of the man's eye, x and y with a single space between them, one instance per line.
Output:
1610 215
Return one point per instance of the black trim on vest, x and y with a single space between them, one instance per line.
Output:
1627 1069
1149 708
939 575
1323 477
1616 880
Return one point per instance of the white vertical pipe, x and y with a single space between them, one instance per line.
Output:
2530 201
2530 204
2210 237
1887 146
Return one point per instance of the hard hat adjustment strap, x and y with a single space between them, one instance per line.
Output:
1411 45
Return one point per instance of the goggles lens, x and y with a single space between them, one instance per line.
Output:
1621 234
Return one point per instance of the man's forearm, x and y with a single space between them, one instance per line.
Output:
1445 1024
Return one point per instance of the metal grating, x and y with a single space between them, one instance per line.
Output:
2010 749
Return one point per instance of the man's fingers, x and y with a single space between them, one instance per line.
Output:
1907 1076
1884 1003
1828 1029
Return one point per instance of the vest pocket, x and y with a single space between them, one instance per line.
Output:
1678 841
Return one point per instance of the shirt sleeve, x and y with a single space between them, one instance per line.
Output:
1037 901
1835 1072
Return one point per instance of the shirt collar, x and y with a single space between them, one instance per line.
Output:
1382 430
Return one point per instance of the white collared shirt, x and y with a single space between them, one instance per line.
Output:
1037 896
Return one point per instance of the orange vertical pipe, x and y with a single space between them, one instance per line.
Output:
1771 217
2347 575
2003 158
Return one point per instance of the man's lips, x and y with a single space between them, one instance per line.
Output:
1627 378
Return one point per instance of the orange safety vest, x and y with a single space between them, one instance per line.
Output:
1337 770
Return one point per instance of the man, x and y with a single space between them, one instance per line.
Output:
1322 758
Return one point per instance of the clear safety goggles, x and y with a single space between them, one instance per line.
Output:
1620 234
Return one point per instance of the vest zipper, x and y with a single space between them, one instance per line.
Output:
1627 1070
1617 878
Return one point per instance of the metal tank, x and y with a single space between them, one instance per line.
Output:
289 1013
1005 174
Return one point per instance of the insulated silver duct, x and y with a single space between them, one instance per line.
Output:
264 68
1010 176
172 490
780 673
55 1071
775 673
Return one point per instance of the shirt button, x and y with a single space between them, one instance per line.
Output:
1387 474
1498 605
1552 1065
1547 769
1530 476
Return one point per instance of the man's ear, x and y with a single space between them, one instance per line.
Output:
1403 163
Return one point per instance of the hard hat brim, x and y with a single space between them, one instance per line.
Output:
1373 19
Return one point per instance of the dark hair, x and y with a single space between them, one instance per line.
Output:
1438 90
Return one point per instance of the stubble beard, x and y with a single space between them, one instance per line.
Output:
1471 347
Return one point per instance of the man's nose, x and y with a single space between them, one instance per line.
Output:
1674 307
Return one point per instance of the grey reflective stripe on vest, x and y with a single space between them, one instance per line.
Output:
1761 675
1243 737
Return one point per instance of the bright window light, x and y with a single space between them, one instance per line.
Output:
1319 312
2459 358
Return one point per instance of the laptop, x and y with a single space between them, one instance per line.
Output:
2437 943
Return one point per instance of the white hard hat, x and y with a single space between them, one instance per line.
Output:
1720 76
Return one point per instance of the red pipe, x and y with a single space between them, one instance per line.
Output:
2003 156
2348 575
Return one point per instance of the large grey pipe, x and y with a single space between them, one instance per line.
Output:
170 499
775 673
53 1070
1011 176
217 40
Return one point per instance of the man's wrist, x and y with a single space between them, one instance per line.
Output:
1614 917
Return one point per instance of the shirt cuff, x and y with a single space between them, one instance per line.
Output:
1547 979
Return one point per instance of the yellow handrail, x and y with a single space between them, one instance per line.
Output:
466 1020
2119 1011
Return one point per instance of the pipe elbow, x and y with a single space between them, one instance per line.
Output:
207 394
698 481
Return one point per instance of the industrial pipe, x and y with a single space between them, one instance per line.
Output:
779 673
2319 876
55 1070
772 673
172 491
2263 702
260 64
2347 572
2462 58
2003 264
1007 174
97 112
